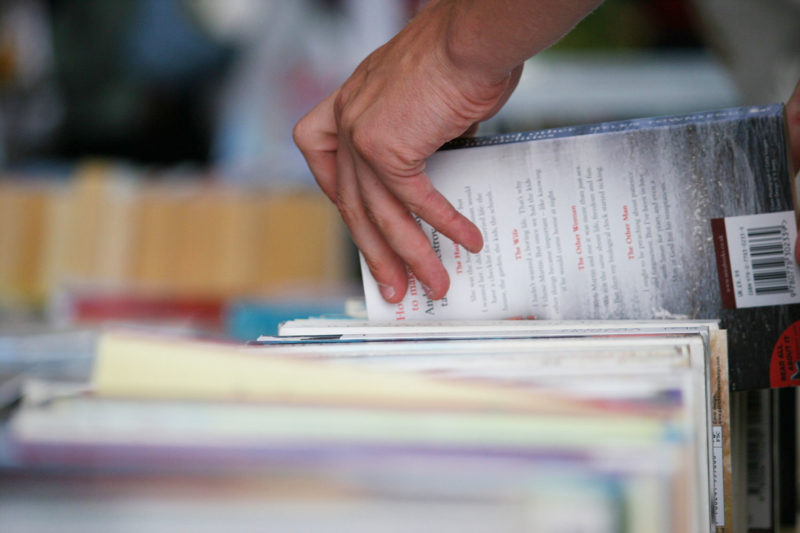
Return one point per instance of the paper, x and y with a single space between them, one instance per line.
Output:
755 258
609 221
130 365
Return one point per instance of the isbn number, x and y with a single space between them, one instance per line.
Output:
768 250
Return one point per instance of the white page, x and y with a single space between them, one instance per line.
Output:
614 224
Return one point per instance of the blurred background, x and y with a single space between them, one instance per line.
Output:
148 172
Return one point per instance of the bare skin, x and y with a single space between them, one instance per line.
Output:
452 66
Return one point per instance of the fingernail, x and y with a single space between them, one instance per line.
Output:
387 291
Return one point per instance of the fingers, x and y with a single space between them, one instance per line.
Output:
378 190
401 231
385 232
419 196
391 199
386 267
316 137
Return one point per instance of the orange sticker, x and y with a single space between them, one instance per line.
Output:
784 369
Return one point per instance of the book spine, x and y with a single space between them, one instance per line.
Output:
730 114
722 475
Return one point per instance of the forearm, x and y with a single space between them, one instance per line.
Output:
488 38
451 67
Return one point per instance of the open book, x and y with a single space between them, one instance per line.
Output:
613 221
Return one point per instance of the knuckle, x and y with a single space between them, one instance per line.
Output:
365 142
375 264
344 103
420 249
404 162
339 103
375 219
351 214
413 246
424 202
449 214
300 134
380 219
347 119
385 267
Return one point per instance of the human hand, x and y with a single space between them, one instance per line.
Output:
367 143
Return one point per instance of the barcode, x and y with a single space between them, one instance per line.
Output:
767 260
755 259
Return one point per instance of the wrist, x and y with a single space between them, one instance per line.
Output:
468 48
489 38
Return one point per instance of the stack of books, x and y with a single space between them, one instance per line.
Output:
111 229
434 416
562 427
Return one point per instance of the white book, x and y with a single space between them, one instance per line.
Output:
617 221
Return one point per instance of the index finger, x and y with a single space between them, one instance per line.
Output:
316 135
419 195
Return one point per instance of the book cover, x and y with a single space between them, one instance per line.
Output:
613 221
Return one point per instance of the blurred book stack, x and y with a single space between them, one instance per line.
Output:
564 427
346 425
591 426
114 243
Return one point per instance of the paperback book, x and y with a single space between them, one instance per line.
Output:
614 221
590 431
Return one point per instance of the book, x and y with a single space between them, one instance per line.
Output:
107 228
24 209
614 429
301 335
613 221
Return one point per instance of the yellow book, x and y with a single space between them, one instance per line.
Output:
143 366
91 229
24 211
302 241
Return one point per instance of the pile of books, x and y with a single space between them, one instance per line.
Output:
490 426
433 416
115 228
552 427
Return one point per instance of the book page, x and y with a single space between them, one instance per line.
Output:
560 236
605 225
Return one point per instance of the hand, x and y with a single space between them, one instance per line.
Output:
367 143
